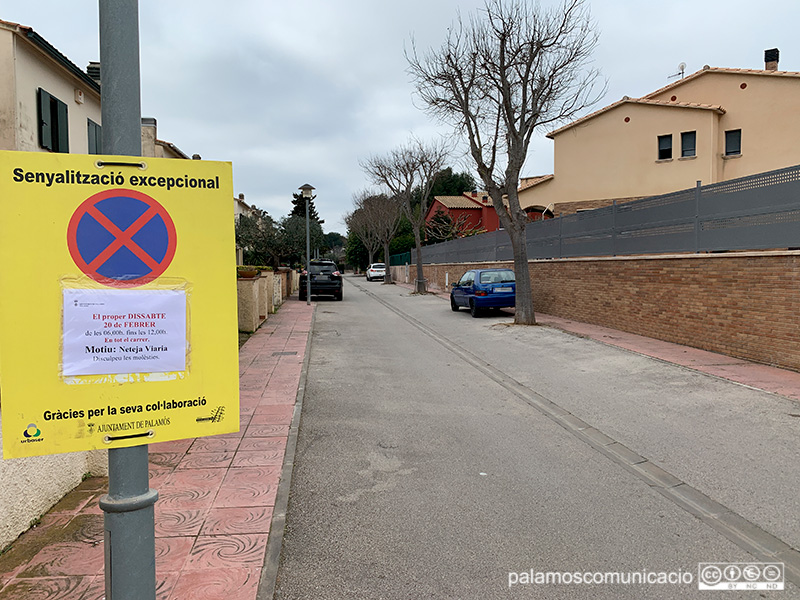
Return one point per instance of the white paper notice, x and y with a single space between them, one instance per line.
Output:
124 331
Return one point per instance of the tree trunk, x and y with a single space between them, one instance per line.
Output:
388 277
419 283
523 314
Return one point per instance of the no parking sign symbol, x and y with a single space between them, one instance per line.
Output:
121 238
111 333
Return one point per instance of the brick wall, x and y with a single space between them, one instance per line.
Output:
740 304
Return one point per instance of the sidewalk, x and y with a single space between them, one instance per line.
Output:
216 494
762 377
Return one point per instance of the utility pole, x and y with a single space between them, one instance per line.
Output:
130 565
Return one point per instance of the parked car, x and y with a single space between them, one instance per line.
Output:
326 279
480 289
376 271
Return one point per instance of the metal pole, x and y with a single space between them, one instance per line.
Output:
130 564
308 252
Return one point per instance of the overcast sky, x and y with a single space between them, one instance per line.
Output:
299 92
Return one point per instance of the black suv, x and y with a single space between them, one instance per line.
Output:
325 280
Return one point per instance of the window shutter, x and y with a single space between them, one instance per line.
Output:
63 126
45 120
95 137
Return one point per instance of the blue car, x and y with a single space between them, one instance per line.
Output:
484 288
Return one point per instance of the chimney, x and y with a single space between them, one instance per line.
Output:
93 70
771 59
241 197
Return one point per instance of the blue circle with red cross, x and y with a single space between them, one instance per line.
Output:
121 238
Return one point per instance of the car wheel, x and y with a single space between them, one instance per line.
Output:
338 296
453 305
368 279
474 310
302 296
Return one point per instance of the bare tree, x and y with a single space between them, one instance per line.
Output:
358 225
383 217
409 172
512 69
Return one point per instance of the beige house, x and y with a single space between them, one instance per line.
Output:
713 125
47 103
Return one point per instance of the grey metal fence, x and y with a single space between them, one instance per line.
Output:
757 212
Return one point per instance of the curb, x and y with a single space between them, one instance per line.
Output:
272 555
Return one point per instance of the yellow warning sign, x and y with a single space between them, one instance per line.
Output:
117 302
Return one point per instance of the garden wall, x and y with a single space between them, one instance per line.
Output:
743 304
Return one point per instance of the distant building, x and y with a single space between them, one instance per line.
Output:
472 210
152 146
714 125
240 207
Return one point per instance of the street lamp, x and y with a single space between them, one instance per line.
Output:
306 191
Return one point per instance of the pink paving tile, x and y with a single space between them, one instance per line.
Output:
262 458
205 460
227 551
178 522
214 444
165 459
97 588
158 475
251 519
17 556
247 410
165 583
73 503
236 435
270 443
280 399
61 588
255 486
179 446
267 431
65 559
171 554
239 584
191 488
277 411
93 507
272 419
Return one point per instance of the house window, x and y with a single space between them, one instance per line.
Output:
733 142
53 126
664 147
95 137
689 143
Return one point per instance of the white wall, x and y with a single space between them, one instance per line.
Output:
33 70
31 486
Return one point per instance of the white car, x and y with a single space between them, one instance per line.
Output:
376 271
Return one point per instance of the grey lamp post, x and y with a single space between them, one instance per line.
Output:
306 190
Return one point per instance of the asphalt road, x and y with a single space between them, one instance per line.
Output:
441 456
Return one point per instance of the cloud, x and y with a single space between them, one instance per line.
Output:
297 92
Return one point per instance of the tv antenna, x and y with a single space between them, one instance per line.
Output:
681 71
